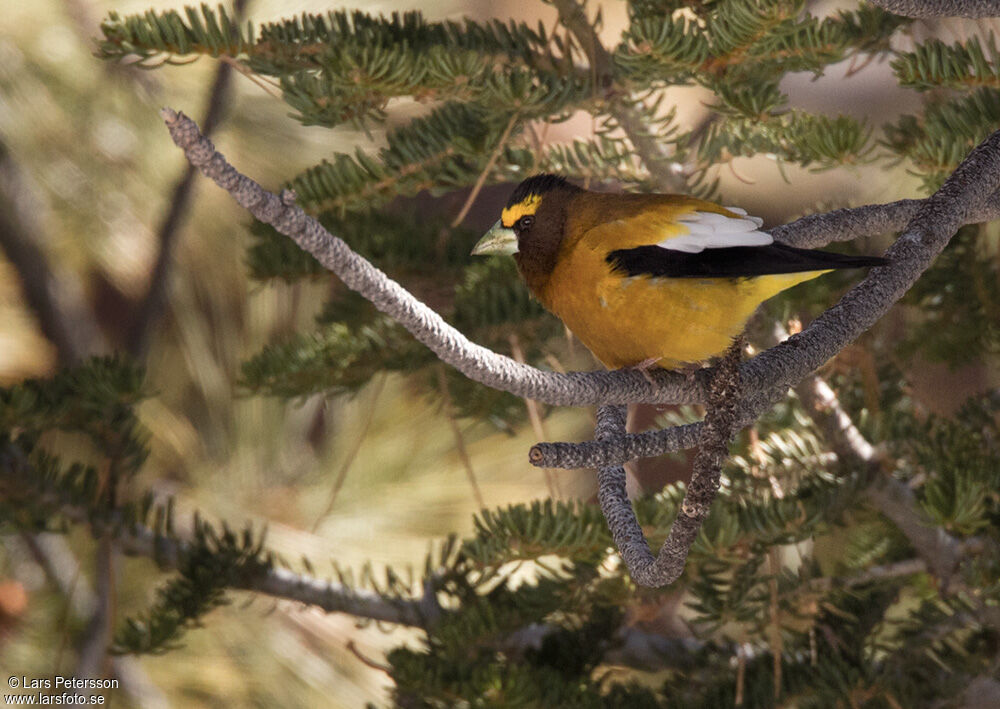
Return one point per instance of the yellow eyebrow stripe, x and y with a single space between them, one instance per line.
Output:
529 205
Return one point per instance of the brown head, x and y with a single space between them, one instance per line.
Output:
531 227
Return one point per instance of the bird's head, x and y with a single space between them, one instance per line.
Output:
531 226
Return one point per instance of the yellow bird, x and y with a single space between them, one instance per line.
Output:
647 279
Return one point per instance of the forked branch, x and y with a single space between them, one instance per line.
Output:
713 449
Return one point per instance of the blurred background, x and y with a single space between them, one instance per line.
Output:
88 177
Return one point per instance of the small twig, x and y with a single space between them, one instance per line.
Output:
535 416
741 669
365 660
352 453
481 180
777 647
268 85
151 308
731 164
456 432
713 450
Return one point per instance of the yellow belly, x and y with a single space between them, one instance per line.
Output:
625 321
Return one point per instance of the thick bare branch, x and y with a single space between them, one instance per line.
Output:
596 454
474 361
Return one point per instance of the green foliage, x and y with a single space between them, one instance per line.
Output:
473 401
493 295
402 243
958 299
445 149
936 142
964 65
39 492
661 48
960 459
810 140
210 564
536 603
95 399
169 35
336 359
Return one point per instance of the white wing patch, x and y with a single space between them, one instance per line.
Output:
708 230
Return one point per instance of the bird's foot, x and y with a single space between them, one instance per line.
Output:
689 369
644 366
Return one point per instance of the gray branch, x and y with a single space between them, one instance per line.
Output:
170 552
940 8
966 197
292 586
713 449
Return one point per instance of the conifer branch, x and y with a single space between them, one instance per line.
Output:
150 309
282 583
713 444
657 161
969 195
941 8
939 551
291 586
170 551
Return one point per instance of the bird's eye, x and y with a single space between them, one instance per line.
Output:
525 222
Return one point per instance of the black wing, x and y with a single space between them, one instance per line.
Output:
732 262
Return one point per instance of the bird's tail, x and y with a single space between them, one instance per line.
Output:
795 259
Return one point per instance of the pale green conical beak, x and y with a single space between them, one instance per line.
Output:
498 240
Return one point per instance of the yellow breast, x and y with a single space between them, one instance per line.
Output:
625 321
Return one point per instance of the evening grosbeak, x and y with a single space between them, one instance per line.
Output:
647 279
